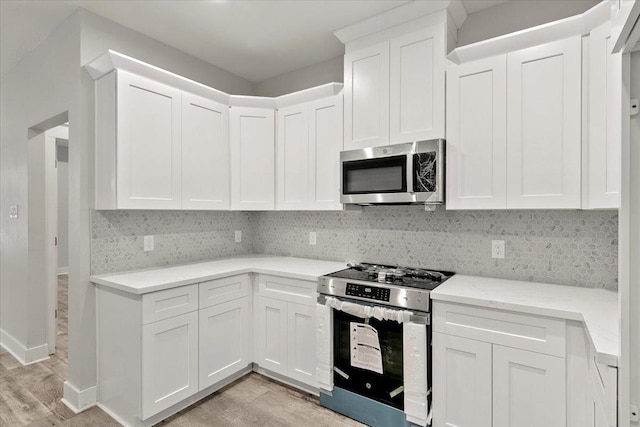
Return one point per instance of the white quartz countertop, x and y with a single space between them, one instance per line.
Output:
156 279
597 308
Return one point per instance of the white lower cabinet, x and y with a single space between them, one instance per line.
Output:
461 382
271 334
529 389
169 362
482 379
224 341
301 343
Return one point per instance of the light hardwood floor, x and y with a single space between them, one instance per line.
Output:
30 396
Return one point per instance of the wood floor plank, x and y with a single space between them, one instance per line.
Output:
19 406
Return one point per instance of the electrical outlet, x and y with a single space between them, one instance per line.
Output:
312 237
635 414
13 212
497 249
238 236
148 243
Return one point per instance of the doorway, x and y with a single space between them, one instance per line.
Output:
48 203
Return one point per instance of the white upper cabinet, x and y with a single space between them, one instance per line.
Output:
417 85
514 129
205 153
252 158
601 189
543 130
366 97
148 117
477 134
308 153
394 84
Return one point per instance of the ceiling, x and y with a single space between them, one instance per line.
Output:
256 39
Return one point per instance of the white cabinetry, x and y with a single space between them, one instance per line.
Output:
148 134
533 160
497 368
308 152
394 88
252 158
528 389
462 378
205 153
477 134
543 130
602 167
603 394
224 328
169 362
285 328
158 147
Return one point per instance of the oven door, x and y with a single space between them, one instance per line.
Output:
385 385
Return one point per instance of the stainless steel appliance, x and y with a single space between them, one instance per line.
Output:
369 393
411 173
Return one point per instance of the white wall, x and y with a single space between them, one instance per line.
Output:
331 70
513 16
63 208
100 34
42 85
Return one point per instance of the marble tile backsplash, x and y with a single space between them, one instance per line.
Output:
578 248
180 236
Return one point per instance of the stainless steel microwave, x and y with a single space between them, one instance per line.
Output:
411 173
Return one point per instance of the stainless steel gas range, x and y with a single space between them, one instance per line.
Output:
374 343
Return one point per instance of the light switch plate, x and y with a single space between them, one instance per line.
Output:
148 243
497 249
13 212
312 238
238 236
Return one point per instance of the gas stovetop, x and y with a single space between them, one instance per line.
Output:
403 287
400 276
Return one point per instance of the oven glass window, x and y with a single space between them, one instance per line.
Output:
385 387
386 175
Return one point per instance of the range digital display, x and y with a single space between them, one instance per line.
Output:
370 292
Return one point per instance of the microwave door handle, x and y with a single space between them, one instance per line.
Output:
410 171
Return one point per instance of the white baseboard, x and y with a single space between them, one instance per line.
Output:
63 270
24 355
79 400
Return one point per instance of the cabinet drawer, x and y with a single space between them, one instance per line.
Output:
219 291
292 290
604 381
172 302
528 332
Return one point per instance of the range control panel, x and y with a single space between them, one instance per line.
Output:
365 291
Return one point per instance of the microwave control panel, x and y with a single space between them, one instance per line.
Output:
366 291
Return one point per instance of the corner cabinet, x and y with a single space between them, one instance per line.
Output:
309 141
394 85
155 145
532 160
252 158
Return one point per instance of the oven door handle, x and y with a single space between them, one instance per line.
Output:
419 317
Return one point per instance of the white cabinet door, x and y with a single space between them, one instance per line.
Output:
149 147
169 362
461 382
366 97
477 134
252 158
302 361
417 85
325 144
602 150
205 153
529 389
293 158
224 341
271 334
544 126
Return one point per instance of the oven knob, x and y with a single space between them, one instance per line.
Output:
368 385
